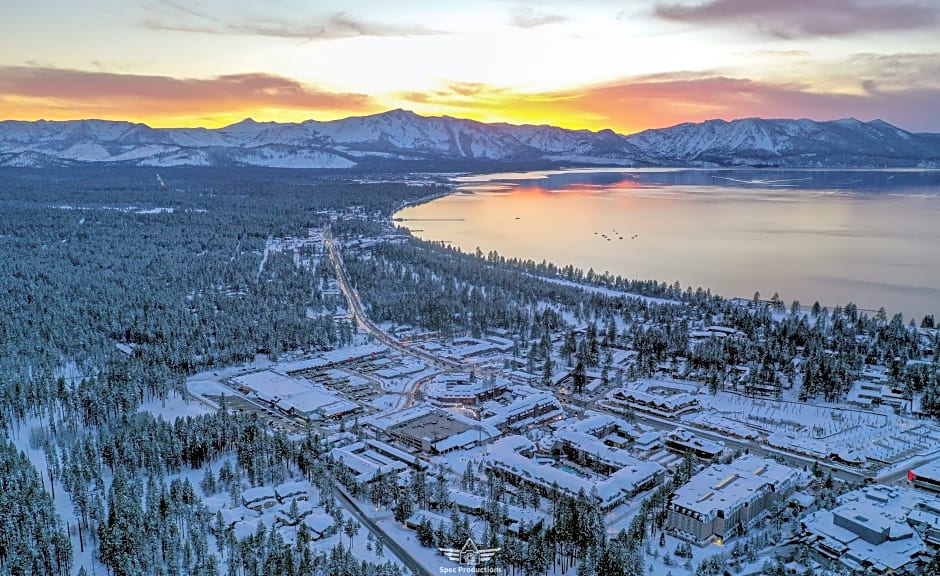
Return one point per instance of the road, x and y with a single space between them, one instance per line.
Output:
361 319
354 508
839 471
407 399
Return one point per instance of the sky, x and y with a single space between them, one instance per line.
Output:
627 65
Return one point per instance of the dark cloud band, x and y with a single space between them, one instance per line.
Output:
163 94
806 18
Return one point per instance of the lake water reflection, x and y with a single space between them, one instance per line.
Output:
870 237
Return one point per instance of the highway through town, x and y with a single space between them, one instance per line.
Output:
360 317
354 508
363 321
839 471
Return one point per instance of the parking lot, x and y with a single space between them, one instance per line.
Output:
240 404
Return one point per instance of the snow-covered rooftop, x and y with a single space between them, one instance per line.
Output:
506 454
313 400
271 386
876 527
726 486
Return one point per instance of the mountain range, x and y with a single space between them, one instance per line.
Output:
400 138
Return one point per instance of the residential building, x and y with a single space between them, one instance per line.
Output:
681 440
511 457
724 500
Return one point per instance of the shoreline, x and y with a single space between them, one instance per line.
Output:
911 296
422 200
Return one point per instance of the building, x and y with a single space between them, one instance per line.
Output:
511 458
925 518
599 436
420 516
320 524
475 505
292 491
317 405
314 365
648 442
461 390
590 451
294 397
926 477
269 386
876 530
431 430
426 430
725 500
524 412
390 451
285 514
365 464
682 441
664 399
259 498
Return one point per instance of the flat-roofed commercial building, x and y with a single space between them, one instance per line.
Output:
926 477
876 530
431 430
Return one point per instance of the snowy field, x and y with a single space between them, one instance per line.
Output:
385 401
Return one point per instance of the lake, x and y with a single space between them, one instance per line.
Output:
866 236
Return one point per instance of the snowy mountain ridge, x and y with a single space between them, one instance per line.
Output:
400 136
798 143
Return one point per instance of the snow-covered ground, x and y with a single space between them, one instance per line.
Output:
430 559
602 290
385 401
62 500
881 439
175 407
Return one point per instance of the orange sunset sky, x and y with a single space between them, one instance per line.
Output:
626 65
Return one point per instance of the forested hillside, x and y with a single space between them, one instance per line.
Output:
118 284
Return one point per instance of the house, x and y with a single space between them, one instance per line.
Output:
291 491
319 524
259 498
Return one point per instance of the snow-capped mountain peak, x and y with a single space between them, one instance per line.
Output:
403 136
